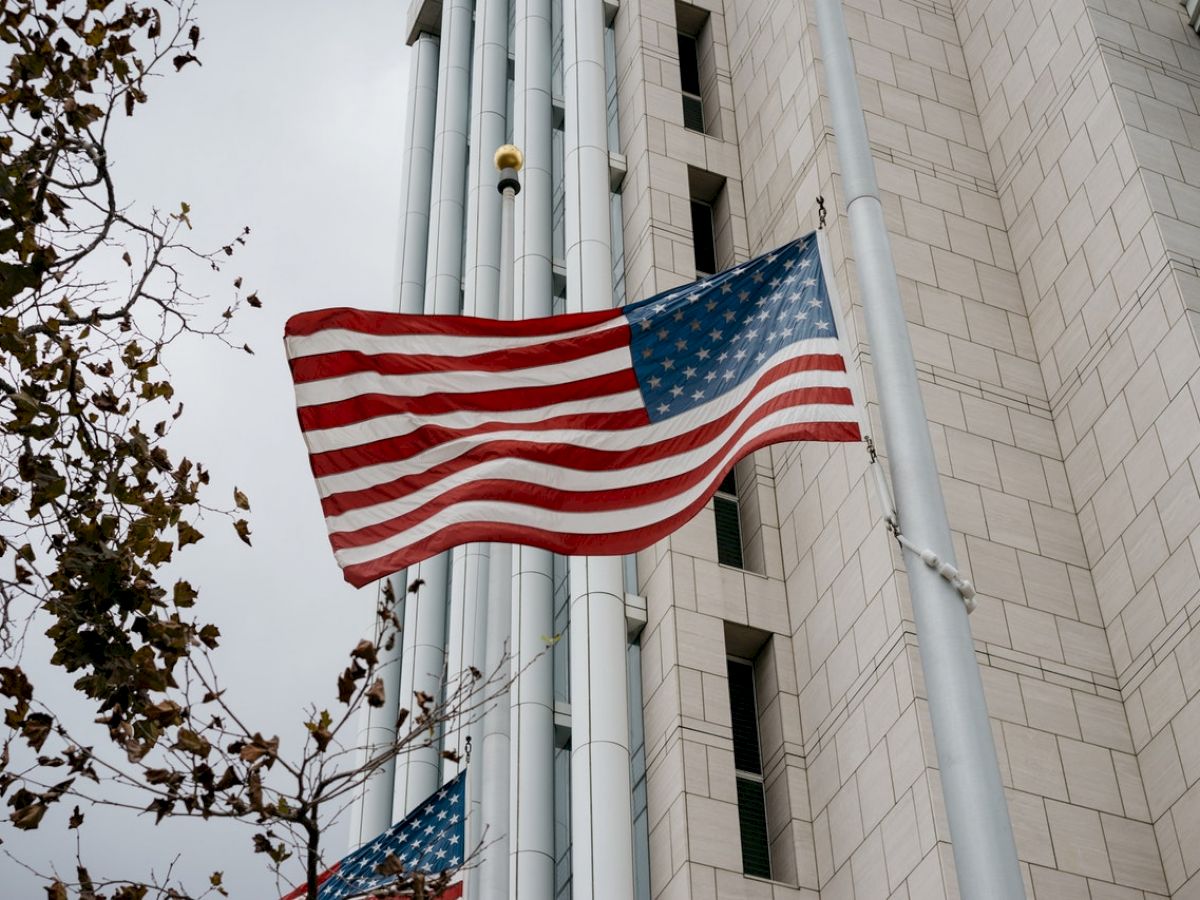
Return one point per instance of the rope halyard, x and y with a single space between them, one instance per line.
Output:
963 585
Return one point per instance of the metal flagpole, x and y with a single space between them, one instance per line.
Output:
493 872
985 855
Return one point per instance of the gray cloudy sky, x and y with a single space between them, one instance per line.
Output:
292 126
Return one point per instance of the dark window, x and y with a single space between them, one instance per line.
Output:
729 529
752 807
704 238
689 80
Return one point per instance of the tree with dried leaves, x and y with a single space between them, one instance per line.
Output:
92 504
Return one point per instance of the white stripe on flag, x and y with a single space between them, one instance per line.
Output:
337 340
564 478
420 384
592 522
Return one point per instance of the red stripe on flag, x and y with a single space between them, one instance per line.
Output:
371 406
380 323
352 362
337 461
302 891
608 544
390 450
578 458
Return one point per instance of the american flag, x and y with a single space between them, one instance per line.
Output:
591 433
430 841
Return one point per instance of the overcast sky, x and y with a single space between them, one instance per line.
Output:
293 126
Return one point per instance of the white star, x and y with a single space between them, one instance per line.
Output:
724 356
659 307
727 288
740 355
800 314
689 372
668 364
805 263
823 326
758 277
702 354
727 375
775 282
772 335
710 305
787 332
677 391
715 334
662 408
809 282
697 395
772 257
711 376
654 382
759 357
787 263
729 315
764 315
694 295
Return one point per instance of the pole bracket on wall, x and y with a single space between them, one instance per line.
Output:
963 585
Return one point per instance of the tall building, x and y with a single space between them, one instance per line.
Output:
739 712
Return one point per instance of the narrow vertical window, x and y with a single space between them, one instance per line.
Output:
697 69
704 238
689 81
747 763
729 529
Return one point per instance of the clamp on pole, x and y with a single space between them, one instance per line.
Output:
963 585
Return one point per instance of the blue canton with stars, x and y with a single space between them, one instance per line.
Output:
696 342
430 840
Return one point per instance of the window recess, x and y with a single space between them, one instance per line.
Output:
747 763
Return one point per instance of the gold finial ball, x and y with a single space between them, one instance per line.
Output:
508 157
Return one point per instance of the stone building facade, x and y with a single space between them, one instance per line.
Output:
1040 168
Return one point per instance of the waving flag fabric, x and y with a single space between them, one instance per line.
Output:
592 433
429 840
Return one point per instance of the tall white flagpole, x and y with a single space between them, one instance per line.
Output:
985 855
493 872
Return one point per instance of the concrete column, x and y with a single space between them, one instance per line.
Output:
486 592
447 206
418 769
531 818
418 774
374 813
416 170
493 766
601 805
